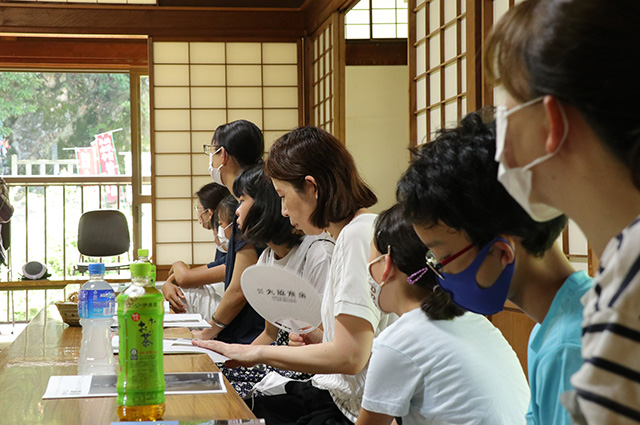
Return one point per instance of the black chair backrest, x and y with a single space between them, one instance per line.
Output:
103 233
6 234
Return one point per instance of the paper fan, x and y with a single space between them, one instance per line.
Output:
282 297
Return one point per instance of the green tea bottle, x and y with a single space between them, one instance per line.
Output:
143 257
141 373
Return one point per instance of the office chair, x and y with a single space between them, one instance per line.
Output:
103 233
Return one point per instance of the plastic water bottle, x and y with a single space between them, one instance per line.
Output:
141 373
96 308
143 257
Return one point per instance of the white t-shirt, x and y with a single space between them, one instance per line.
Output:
311 259
203 299
437 372
348 292
608 383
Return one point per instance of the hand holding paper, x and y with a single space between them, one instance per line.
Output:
313 337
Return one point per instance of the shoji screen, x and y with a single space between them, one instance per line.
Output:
438 65
325 76
196 87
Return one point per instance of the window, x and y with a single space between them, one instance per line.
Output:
68 139
374 19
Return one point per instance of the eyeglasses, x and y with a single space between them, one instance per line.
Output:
434 266
199 209
211 149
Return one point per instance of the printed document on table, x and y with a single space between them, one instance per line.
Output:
81 386
179 321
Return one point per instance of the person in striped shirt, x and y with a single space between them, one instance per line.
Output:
568 139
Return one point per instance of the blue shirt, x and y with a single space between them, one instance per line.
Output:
248 324
554 353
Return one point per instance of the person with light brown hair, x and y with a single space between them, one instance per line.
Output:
320 188
568 140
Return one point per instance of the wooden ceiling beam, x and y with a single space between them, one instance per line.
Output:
163 22
316 12
99 53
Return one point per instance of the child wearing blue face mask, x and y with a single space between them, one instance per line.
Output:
452 197
436 364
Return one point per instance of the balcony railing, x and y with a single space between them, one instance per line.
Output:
44 228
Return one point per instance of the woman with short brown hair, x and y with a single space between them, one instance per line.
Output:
320 188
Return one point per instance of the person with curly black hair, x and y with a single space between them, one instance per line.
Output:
485 249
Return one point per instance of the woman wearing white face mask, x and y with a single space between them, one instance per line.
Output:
235 147
198 289
436 364
569 61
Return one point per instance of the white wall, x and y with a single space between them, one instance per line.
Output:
377 126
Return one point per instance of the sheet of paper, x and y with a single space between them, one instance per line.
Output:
81 386
178 346
179 321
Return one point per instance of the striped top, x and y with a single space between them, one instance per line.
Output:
608 383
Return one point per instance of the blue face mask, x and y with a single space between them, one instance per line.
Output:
464 290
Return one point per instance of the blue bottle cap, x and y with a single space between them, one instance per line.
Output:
96 268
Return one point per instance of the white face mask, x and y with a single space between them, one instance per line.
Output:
518 180
376 288
222 238
215 172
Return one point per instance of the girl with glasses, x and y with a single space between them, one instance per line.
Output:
235 147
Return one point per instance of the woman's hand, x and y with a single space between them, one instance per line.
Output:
174 295
313 337
239 354
205 334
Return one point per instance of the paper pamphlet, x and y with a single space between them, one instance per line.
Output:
178 346
282 297
81 386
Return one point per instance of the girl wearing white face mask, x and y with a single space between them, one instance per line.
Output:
235 147
436 364
571 58
198 289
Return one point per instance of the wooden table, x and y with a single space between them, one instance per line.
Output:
49 347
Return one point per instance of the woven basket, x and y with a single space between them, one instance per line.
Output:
69 313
